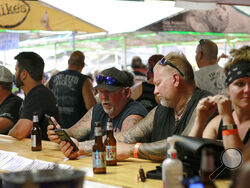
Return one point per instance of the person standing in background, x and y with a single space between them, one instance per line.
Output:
9 103
210 75
138 69
73 91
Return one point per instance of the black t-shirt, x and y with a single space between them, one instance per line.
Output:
164 120
67 88
41 100
9 108
147 98
132 108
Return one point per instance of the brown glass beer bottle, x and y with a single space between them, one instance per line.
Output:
110 145
98 151
36 134
207 168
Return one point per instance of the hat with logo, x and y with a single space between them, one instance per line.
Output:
5 75
111 79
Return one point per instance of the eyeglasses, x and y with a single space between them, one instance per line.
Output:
108 80
166 62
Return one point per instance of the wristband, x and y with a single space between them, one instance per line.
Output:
229 132
137 145
229 126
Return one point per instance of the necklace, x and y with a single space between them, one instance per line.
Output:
179 115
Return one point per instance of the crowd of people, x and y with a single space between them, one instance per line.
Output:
146 107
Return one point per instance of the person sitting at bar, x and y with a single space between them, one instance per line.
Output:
38 98
114 93
233 122
9 103
178 94
144 92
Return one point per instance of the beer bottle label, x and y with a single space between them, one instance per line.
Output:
98 131
99 160
110 153
33 140
109 126
35 119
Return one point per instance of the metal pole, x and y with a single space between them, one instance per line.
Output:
73 40
55 56
125 52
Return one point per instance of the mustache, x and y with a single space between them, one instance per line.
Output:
106 101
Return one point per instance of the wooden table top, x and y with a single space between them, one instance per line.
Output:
124 174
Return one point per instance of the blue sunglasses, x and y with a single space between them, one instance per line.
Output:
166 62
108 80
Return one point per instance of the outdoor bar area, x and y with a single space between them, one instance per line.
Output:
124 93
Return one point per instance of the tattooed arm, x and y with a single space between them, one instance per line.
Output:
78 131
155 151
82 128
141 130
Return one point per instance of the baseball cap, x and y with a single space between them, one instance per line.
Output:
111 79
5 75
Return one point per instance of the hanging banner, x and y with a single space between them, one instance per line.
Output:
36 15
222 19
9 41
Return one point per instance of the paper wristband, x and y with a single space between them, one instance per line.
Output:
137 145
229 132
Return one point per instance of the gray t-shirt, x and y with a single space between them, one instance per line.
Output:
210 78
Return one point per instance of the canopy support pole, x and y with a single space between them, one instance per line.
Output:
125 52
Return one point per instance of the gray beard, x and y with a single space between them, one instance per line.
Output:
109 111
164 102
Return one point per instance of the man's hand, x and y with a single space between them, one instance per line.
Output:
67 149
51 133
124 151
206 108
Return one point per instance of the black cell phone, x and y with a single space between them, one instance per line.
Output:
49 120
65 137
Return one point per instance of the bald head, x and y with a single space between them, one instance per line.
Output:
76 59
209 49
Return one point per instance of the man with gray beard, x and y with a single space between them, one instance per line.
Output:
176 89
115 103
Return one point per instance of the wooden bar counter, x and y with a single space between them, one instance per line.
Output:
124 174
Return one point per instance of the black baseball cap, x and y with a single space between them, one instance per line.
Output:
111 79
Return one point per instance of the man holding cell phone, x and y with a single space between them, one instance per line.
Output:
114 94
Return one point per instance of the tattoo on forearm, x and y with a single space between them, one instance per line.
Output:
87 146
82 128
154 151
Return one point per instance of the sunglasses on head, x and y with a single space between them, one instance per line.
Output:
108 80
201 42
166 62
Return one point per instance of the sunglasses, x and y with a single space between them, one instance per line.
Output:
108 80
166 62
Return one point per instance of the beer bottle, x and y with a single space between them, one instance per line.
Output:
36 134
207 168
110 145
98 151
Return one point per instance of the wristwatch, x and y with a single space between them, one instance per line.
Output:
229 127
